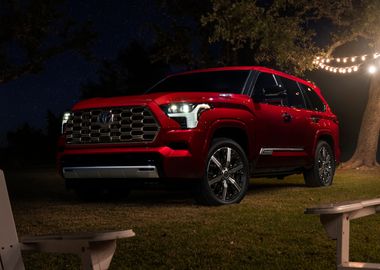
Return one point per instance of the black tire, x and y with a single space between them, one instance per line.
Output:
322 172
230 178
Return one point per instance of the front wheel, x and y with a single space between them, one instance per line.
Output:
226 175
322 172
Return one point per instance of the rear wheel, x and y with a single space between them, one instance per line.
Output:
322 172
226 176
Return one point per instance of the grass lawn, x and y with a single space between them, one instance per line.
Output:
267 230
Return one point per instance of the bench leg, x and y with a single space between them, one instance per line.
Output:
10 258
98 255
343 241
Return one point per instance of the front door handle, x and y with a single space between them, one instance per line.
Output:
287 117
315 119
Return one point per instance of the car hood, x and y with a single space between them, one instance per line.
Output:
159 99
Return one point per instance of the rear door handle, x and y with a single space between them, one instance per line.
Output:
287 117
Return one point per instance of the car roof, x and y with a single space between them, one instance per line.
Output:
258 68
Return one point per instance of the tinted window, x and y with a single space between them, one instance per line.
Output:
295 98
313 100
231 81
264 81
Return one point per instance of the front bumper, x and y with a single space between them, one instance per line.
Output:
178 154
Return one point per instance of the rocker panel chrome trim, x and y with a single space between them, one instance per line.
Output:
269 151
148 171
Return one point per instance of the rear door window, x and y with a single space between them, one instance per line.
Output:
295 97
313 100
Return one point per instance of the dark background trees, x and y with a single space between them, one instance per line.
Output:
186 34
133 71
32 32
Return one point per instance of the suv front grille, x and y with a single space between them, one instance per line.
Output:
111 125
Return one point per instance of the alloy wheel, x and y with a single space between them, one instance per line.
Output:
325 166
226 174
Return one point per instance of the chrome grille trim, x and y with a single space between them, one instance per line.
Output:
114 125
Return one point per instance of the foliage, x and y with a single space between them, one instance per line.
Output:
356 19
131 72
34 31
279 33
180 39
275 33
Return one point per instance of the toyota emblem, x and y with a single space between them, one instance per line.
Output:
105 118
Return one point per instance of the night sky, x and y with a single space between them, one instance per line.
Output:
119 22
58 87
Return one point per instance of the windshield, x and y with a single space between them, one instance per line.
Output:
228 81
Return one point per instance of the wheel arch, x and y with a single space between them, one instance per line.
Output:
329 138
234 130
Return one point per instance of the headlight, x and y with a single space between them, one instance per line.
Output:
65 118
186 114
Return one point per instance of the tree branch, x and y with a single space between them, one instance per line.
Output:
342 41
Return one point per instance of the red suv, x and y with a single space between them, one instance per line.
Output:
219 126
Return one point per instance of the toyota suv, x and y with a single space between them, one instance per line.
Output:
217 126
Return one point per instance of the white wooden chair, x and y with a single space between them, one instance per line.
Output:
336 220
95 249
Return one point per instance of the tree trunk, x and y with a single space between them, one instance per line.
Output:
367 145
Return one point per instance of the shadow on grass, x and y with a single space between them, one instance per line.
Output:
44 185
270 186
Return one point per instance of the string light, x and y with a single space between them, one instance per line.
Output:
343 63
345 59
348 69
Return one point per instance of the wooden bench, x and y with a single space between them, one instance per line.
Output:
95 249
336 221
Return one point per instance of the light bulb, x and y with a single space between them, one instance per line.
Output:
372 69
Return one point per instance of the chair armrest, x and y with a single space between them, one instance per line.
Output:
95 249
84 236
